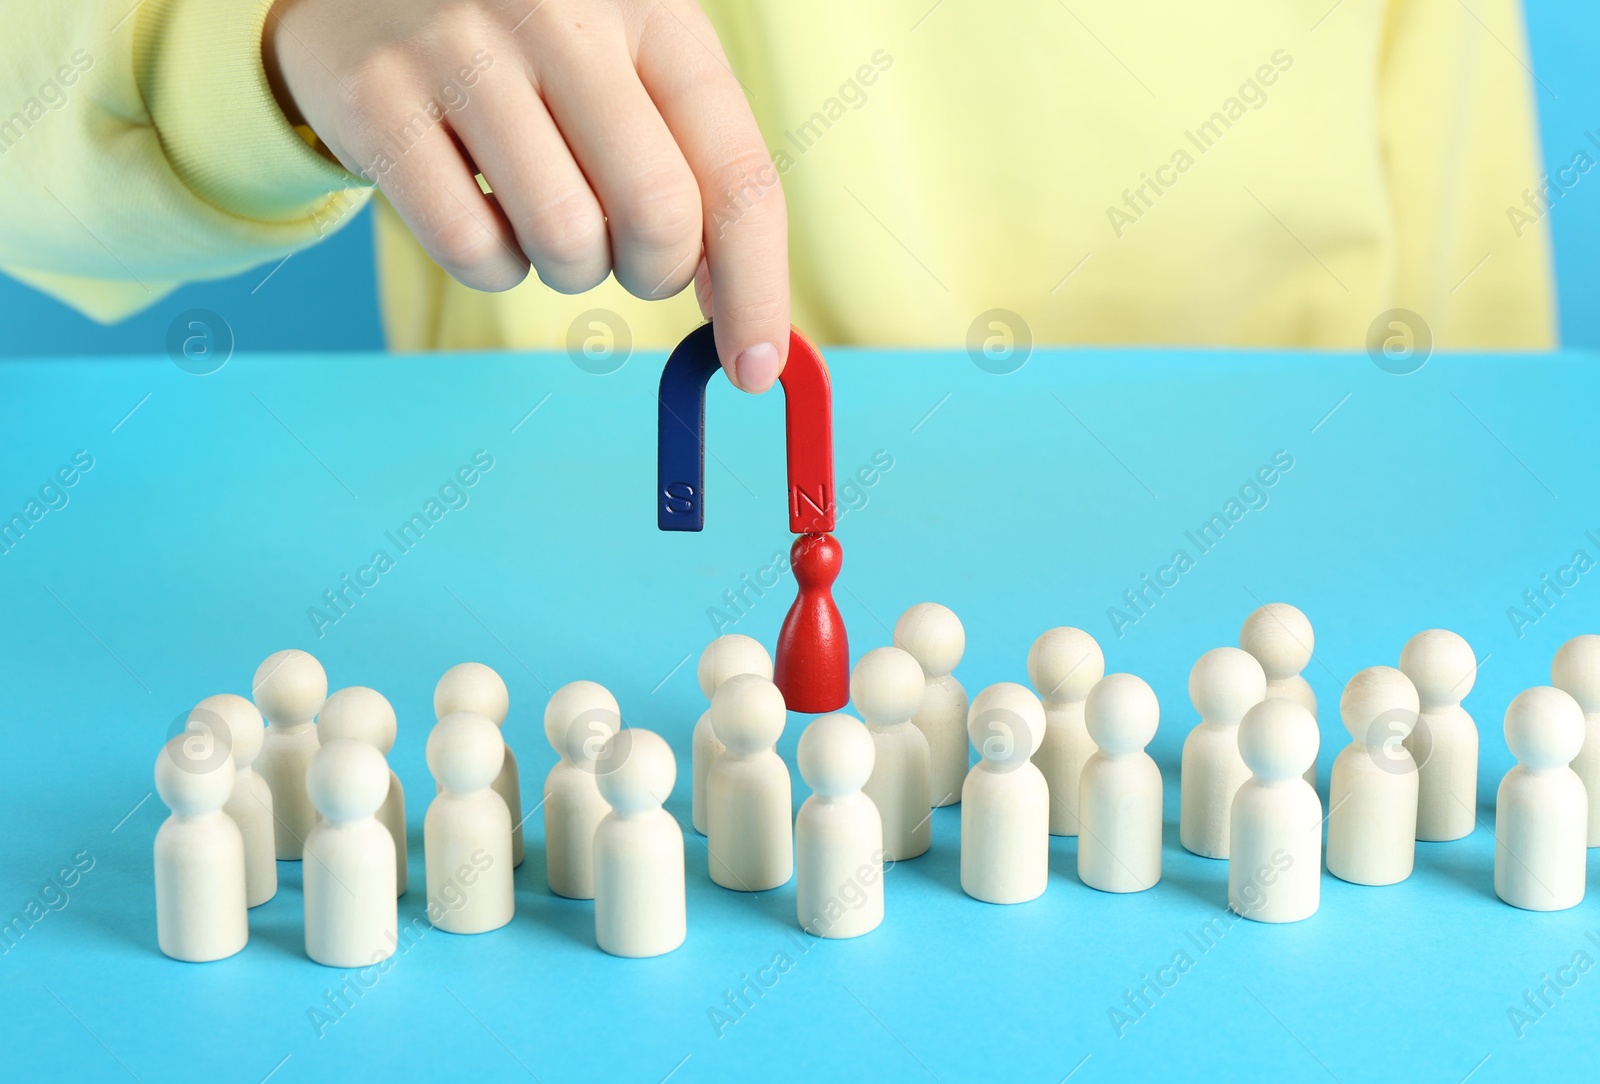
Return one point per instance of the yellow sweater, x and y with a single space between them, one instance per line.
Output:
1244 172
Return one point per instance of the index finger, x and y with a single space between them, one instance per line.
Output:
682 65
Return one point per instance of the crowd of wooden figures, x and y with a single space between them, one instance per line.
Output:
301 775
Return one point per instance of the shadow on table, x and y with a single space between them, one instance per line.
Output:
280 923
1202 879
1064 861
571 919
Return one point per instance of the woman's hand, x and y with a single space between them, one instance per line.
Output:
612 133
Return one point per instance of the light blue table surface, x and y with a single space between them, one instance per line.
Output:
219 509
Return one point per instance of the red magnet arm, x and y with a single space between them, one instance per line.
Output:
808 419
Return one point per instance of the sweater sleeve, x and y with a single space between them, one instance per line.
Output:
141 148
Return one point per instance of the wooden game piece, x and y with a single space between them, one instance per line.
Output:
289 688
578 721
723 657
466 836
750 842
813 658
1225 683
933 635
362 714
1275 818
1575 670
201 913
838 833
1541 812
1005 801
1445 741
1281 639
351 919
887 689
231 718
1064 664
474 687
639 890
1119 796
1372 795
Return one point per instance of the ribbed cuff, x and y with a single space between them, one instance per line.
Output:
198 63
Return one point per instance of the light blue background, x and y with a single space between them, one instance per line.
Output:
221 508
325 297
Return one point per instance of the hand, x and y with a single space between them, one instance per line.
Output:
612 133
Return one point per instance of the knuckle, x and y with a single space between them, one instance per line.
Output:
745 182
660 210
568 233
760 310
541 18
378 76
375 87
463 245
465 40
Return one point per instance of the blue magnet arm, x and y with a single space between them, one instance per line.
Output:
681 433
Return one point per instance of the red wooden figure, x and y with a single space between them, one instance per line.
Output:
813 659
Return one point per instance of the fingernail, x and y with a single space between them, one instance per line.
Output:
757 368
